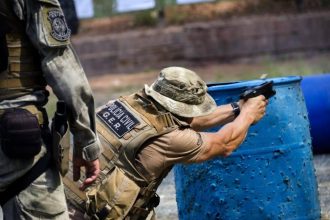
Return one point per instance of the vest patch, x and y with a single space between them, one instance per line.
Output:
118 118
60 30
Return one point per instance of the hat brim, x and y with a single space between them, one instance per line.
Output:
180 108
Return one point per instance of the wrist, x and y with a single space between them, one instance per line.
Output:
247 117
236 108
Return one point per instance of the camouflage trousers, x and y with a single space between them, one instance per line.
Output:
43 199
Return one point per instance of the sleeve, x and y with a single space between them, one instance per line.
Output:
48 31
184 146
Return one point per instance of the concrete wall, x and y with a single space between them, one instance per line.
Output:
219 40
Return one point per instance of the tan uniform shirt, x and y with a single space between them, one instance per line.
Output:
178 146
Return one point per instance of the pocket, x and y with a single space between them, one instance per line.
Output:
45 196
53 24
20 134
117 194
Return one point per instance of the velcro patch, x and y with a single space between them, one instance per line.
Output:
118 118
60 30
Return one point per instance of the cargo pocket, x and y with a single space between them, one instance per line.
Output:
115 196
53 24
44 198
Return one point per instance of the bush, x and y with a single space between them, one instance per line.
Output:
145 18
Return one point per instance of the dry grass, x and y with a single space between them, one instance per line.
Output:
113 85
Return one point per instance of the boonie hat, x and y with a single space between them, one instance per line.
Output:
182 92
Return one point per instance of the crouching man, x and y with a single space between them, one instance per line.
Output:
144 134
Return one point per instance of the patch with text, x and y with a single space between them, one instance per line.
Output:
118 118
60 30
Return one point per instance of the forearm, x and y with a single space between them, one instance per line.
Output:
227 139
235 132
222 115
67 79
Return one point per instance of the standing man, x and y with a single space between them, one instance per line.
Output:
35 51
143 135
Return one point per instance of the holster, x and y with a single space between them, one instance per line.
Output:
61 148
61 138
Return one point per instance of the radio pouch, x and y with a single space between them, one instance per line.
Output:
20 133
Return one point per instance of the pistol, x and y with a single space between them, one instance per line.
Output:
60 124
265 89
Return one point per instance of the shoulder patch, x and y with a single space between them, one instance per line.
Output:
60 30
118 118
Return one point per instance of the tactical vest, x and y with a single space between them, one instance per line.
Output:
123 190
23 73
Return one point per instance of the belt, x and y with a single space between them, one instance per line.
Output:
22 83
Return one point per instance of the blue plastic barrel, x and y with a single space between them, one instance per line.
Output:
271 176
316 90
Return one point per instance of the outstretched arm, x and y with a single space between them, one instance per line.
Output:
230 136
222 115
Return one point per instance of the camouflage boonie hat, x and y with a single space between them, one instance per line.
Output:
182 92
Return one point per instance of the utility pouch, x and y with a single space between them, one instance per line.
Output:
20 133
113 197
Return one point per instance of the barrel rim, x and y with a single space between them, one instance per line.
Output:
250 83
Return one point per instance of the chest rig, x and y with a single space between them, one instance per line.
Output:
23 74
123 126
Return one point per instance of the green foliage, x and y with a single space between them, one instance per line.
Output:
103 8
145 18
286 66
106 8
